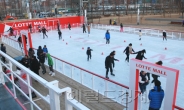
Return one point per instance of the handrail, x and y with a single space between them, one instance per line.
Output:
179 108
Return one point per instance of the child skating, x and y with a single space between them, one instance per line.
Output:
140 34
88 52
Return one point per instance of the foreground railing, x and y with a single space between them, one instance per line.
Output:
19 84
98 83
145 31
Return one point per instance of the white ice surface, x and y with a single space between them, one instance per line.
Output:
74 53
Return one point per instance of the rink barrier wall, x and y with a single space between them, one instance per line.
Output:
145 31
46 22
70 73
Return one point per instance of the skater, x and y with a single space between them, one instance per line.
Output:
108 65
143 81
140 34
58 26
155 77
39 51
107 37
60 34
50 62
20 41
110 22
121 27
3 49
88 52
113 59
69 26
11 31
44 32
140 54
164 35
35 65
84 28
128 50
156 96
88 28
39 29
30 28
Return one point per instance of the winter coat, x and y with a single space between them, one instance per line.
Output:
50 62
88 28
25 62
39 51
127 50
107 35
45 50
3 48
42 58
35 65
121 25
59 33
69 26
164 34
19 40
88 52
156 97
140 55
44 30
84 27
108 61
31 53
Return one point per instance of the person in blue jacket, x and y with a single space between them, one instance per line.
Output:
156 96
107 37
45 51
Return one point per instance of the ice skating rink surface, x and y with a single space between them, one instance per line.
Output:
155 50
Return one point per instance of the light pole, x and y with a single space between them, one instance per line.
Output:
138 14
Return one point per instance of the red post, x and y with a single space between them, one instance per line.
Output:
24 44
30 40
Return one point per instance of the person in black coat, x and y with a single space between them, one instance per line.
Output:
19 40
60 34
128 50
42 61
164 35
39 51
155 77
84 28
35 65
44 32
25 61
69 26
58 26
110 21
113 59
88 52
3 49
108 65
140 54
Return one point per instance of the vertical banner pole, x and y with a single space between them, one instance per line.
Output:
24 44
30 40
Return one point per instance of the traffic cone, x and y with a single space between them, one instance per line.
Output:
66 43
124 40
63 39
165 48
141 44
82 48
70 37
102 53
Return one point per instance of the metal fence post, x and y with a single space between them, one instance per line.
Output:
12 78
127 100
30 92
1 75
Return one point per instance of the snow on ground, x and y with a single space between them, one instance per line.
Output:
73 52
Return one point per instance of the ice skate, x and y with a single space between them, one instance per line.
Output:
53 74
50 72
112 74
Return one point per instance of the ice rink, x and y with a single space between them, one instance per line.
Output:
73 52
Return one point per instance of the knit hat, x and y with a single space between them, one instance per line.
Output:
157 83
130 44
88 47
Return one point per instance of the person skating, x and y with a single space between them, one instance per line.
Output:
107 37
140 54
50 63
58 26
30 28
143 81
88 52
121 27
156 96
155 77
128 50
84 28
3 49
140 34
88 28
108 65
44 32
11 31
42 61
60 34
164 35
69 26
113 59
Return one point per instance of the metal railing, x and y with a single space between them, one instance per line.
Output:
100 84
145 31
19 84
